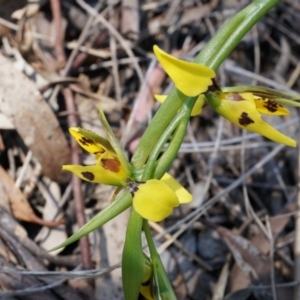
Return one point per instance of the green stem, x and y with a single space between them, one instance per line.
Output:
162 283
158 124
227 38
182 116
133 257
120 204
167 158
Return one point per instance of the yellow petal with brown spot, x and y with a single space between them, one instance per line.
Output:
190 78
96 174
90 141
154 200
112 164
244 114
270 107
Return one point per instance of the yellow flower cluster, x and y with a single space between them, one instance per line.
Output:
153 200
243 109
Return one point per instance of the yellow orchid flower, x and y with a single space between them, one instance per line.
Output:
153 200
183 73
108 168
197 109
243 109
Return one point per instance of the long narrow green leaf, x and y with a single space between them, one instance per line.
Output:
115 208
163 287
114 142
133 258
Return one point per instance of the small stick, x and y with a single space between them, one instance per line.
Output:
72 121
76 181
58 44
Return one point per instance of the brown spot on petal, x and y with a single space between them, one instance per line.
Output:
86 141
88 175
213 87
271 105
111 164
245 120
235 97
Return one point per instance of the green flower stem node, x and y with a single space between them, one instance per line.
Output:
133 260
163 287
115 208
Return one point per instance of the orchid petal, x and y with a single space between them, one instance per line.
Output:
90 141
241 110
154 200
183 195
96 174
190 78
264 105
270 107
147 290
112 164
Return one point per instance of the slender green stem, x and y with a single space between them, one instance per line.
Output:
169 155
227 38
133 257
158 124
120 204
162 283
182 116
150 166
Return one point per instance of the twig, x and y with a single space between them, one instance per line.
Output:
72 121
23 170
200 210
76 181
74 274
80 41
130 22
181 247
113 50
116 34
272 271
58 46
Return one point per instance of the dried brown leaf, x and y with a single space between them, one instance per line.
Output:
19 205
34 121
277 224
254 264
